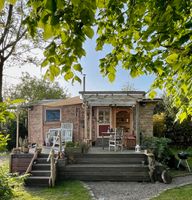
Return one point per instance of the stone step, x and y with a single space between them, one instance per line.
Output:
43 155
41 166
132 168
42 160
40 173
109 160
37 181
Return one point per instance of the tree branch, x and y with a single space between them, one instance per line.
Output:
7 23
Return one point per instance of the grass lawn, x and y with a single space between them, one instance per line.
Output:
68 190
180 193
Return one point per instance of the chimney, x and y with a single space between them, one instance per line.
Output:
84 75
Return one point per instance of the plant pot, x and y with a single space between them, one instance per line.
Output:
25 150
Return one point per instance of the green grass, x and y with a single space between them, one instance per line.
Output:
180 193
68 190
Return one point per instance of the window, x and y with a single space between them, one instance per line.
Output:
52 115
104 116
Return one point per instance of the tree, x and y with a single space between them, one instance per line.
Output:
33 89
147 37
128 87
16 47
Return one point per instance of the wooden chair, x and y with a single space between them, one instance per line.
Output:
116 139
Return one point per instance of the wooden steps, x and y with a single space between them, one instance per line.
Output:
40 173
107 167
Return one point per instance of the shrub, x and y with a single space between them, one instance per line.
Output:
9 182
159 126
159 147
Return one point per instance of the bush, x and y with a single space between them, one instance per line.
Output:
159 147
159 126
9 182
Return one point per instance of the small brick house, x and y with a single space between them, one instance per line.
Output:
93 114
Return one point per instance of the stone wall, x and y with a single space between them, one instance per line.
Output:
146 119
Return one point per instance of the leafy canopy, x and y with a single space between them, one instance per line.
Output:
33 89
146 36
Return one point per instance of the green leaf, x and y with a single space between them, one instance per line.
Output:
172 58
69 75
111 77
48 32
44 63
152 94
55 71
77 67
88 31
76 78
2 4
101 3
11 1
136 35
75 2
182 116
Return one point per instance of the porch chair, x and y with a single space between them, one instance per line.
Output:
67 132
116 139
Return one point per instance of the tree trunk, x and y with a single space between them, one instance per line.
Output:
1 78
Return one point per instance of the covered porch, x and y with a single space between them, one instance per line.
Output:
106 111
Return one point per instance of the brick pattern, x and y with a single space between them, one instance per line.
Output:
35 117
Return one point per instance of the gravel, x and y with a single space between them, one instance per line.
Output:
132 190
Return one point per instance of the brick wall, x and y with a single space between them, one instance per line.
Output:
35 117
146 119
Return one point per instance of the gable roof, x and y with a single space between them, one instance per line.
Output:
65 102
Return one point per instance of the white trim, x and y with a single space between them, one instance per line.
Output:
45 119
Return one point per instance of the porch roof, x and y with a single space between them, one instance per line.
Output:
112 98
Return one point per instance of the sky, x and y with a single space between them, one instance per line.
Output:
94 80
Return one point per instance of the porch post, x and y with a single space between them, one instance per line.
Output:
17 130
90 123
85 120
137 124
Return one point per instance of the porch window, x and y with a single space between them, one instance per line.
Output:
104 116
52 115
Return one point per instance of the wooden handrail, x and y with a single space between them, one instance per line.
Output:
32 160
53 160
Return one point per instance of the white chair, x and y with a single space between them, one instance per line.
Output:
67 132
116 139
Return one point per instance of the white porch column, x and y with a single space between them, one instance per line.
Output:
137 124
90 123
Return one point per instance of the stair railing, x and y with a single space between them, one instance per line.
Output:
32 161
53 160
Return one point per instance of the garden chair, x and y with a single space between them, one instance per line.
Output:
116 139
